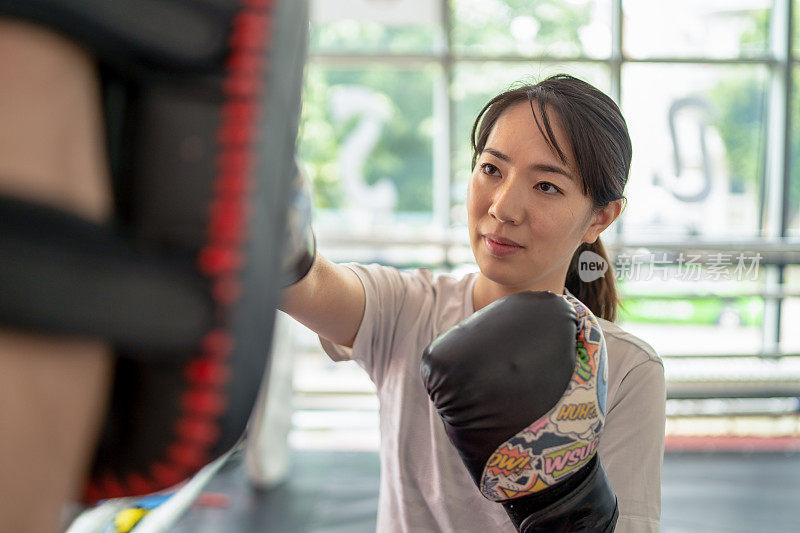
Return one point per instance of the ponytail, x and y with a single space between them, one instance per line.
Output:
601 295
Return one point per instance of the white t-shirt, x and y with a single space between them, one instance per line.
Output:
424 485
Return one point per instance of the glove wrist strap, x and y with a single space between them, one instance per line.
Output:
584 502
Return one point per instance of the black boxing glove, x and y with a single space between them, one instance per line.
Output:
301 245
521 389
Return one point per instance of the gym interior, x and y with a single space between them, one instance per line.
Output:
706 253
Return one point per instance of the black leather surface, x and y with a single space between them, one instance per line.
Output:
498 371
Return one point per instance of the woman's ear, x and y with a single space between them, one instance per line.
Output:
601 219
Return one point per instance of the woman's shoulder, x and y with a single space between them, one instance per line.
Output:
626 348
418 295
424 278
417 288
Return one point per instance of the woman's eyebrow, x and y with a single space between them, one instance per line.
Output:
555 169
536 167
498 154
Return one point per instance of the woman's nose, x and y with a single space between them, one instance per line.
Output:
507 203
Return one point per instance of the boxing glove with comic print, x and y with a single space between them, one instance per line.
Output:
521 389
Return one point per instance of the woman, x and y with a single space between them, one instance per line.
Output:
549 167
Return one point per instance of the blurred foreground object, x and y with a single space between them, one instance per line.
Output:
201 104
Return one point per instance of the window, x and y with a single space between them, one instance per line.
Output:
707 250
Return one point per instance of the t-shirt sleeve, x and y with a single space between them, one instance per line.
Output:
632 447
390 295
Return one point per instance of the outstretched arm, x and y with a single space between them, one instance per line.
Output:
326 297
329 300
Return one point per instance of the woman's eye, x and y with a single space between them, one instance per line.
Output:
548 188
490 169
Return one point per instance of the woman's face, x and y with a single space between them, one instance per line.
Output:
527 213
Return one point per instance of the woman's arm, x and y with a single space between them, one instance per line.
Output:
329 300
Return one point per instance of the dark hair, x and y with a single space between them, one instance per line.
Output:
600 142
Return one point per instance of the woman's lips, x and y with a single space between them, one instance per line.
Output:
500 249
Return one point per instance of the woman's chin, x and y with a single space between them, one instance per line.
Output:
501 274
